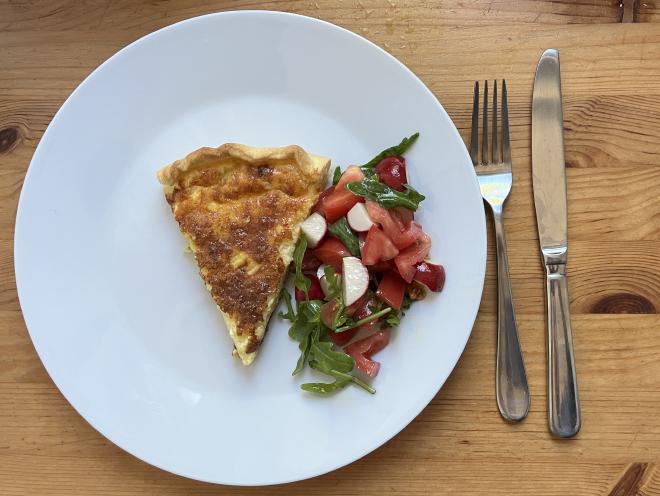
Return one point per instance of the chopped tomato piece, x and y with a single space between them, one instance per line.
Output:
391 289
331 252
357 311
352 309
377 247
392 171
337 203
405 215
328 311
394 227
341 338
411 234
352 174
407 260
390 225
362 237
431 275
362 351
366 365
365 310
309 262
315 292
322 196
381 267
406 271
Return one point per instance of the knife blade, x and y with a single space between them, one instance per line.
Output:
548 174
549 183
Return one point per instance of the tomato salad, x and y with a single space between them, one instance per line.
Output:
360 263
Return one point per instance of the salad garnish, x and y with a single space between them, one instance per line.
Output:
393 151
358 267
372 189
342 231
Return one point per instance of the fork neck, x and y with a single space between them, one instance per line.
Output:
496 208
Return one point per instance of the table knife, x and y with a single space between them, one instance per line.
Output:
549 182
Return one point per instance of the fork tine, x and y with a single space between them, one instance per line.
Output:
474 139
495 137
506 145
485 157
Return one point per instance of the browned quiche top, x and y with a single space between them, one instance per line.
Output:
240 208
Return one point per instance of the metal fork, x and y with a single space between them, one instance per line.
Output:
494 174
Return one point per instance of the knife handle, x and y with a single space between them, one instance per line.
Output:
512 391
563 401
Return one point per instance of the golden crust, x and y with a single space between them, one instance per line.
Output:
210 157
240 207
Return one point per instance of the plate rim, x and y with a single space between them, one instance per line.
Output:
36 157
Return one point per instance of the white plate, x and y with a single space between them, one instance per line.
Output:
115 307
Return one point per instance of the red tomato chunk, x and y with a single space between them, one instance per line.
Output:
328 311
331 252
407 260
362 350
335 204
431 275
401 235
309 262
315 292
392 171
377 247
391 289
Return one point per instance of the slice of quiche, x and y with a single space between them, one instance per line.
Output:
240 208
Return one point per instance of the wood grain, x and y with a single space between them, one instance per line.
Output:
648 11
122 14
459 444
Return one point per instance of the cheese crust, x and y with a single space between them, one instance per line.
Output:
240 209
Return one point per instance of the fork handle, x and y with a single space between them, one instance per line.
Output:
510 379
563 402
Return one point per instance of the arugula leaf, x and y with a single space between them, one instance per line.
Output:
341 380
394 318
372 189
321 367
300 280
309 316
304 346
315 347
336 176
336 364
311 310
366 320
334 291
392 151
322 353
290 314
323 388
346 377
340 318
342 230
300 329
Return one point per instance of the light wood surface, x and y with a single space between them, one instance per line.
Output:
459 444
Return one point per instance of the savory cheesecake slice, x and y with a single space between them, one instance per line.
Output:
240 208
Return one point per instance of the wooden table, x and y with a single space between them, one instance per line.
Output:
459 444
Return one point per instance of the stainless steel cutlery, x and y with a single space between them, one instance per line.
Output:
549 181
493 168
491 157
